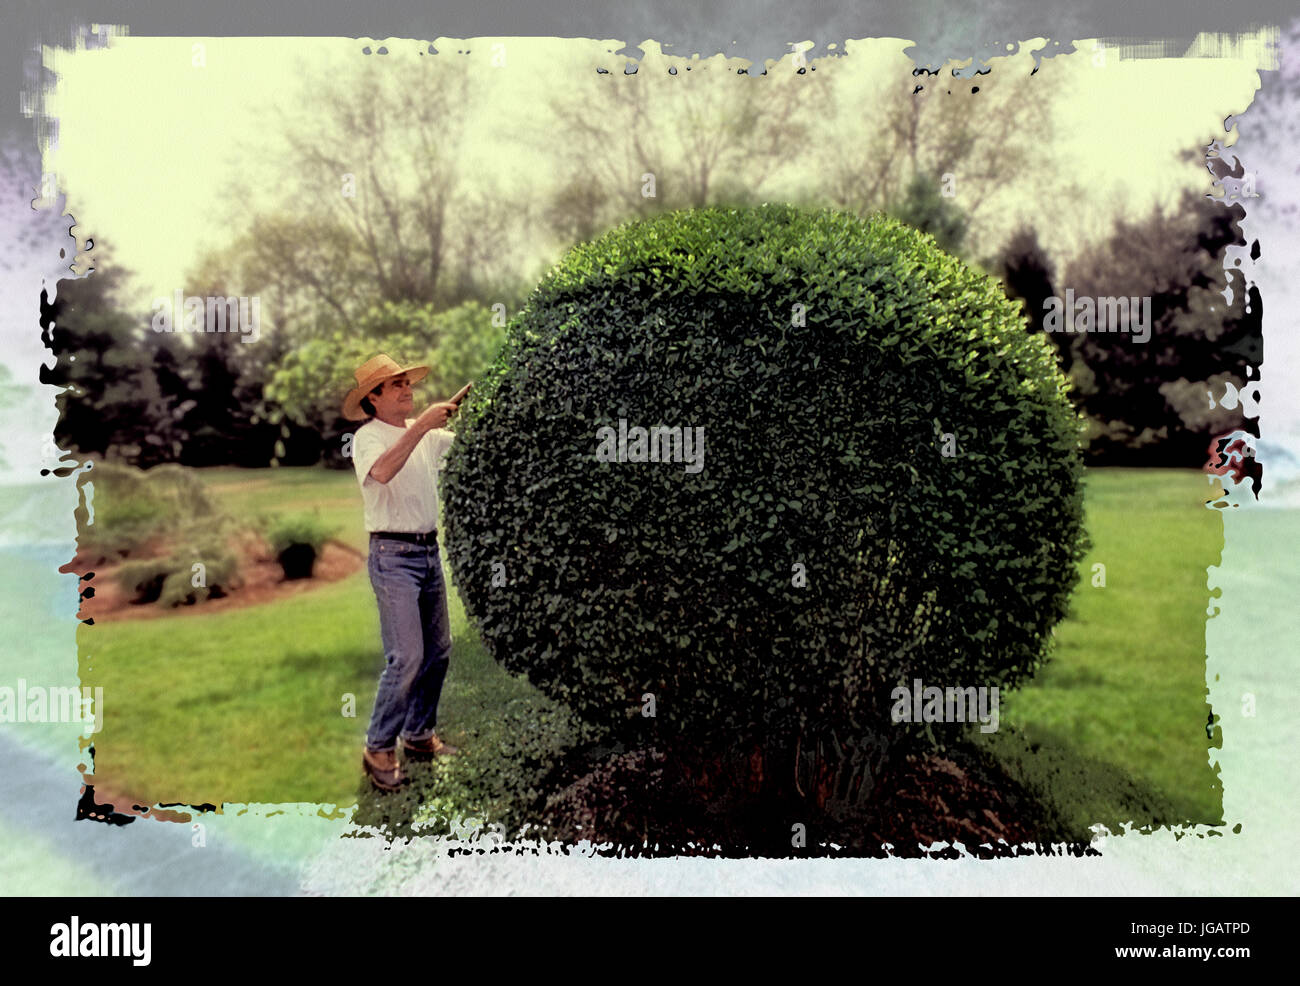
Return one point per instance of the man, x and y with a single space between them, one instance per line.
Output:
397 459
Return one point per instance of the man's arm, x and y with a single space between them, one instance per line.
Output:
390 463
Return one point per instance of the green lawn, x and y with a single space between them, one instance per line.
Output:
1119 715
333 494
245 706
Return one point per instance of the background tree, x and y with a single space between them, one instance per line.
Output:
980 130
1150 403
709 135
925 207
307 385
1028 276
112 403
382 209
1026 271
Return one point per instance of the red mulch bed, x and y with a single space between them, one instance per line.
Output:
261 580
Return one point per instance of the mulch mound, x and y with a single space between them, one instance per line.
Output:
922 805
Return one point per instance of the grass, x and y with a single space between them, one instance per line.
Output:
1119 715
246 705
331 494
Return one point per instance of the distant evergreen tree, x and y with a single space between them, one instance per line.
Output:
925 207
1150 402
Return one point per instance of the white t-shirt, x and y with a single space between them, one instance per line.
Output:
409 501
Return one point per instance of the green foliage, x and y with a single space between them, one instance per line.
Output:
924 207
221 572
110 399
469 339
1147 403
144 578
133 506
307 529
166 513
170 580
144 397
309 382
823 449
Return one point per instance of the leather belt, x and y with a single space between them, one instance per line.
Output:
427 537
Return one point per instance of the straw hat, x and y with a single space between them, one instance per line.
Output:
370 375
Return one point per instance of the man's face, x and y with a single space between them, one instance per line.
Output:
394 399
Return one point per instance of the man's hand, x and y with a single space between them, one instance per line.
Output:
391 462
437 415
434 416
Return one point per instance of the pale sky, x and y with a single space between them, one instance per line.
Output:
148 139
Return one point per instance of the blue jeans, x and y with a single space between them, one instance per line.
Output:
408 583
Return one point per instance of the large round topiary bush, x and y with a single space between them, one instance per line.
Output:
889 487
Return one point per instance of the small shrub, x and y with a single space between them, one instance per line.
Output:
132 507
169 581
164 509
220 575
297 540
143 578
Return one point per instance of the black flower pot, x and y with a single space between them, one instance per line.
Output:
297 560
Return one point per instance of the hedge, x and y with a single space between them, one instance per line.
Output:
890 486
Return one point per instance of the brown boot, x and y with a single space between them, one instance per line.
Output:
383 769
428 749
